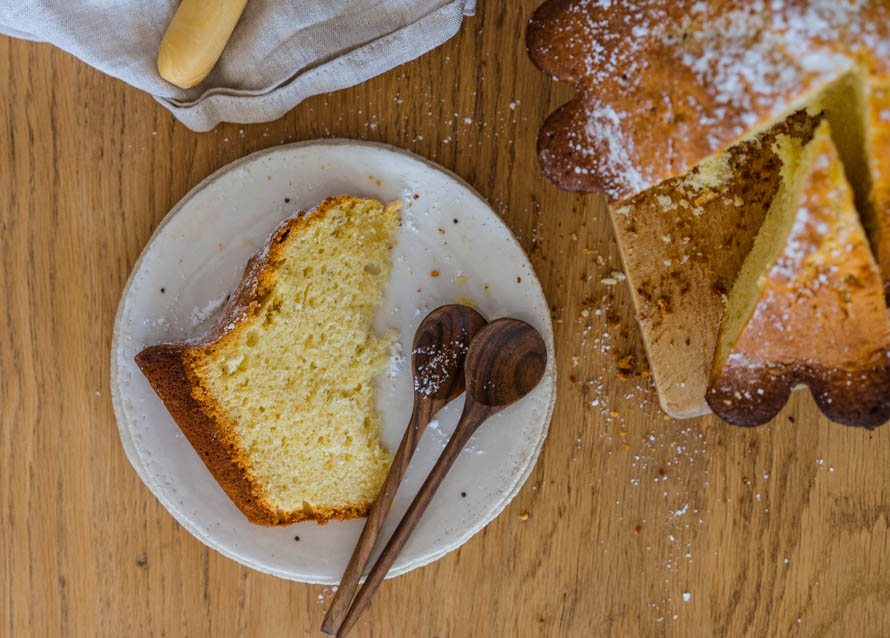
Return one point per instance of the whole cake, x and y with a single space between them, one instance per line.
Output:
808 305
278 397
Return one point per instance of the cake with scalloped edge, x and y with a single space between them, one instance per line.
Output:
808 305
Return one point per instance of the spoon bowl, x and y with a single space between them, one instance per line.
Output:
506 361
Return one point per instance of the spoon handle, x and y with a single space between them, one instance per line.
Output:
473 416
420 418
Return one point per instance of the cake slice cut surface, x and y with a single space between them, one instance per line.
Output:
278 398
808 304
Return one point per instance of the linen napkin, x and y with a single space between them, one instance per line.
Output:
280 53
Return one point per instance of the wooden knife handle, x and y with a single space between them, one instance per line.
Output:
195 39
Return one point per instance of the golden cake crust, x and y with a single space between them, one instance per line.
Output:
663 84
820 319
168 368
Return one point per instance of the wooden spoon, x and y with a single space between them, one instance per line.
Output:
505 362
437 357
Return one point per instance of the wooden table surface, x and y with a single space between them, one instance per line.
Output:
637 525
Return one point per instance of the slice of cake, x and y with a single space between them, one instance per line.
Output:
683 244
808 305
278 397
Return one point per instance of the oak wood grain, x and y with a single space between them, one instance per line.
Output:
780 530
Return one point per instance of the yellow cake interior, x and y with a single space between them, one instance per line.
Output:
294 382
845 107
797 160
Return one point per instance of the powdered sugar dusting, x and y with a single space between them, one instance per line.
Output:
200 315
439 364
396 360
664 84
604 135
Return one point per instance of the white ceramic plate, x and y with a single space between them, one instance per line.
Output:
197 255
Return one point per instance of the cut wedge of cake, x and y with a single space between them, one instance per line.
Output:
278 397
683 244
808 304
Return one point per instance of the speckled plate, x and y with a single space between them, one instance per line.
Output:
197 255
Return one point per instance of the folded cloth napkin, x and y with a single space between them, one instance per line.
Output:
280 53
